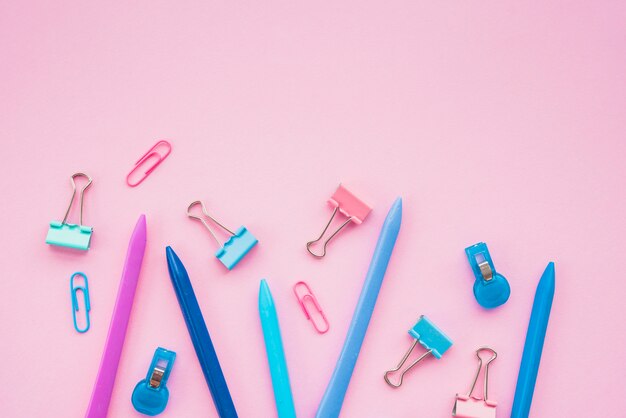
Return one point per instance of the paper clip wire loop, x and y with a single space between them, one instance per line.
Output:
82 195
147 156
85 290
310 243
494 355
399 366
302 301
204 222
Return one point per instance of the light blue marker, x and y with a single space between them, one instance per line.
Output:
330 407
534 344
275 353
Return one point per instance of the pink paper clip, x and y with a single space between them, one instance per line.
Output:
468 406
147 156
309 296
349 205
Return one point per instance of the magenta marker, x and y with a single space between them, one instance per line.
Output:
103 388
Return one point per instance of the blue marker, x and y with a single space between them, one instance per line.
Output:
534 344
200 336
275 353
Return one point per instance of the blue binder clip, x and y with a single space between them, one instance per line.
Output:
70 235
150 396
237 246
430 337
73 291
491 289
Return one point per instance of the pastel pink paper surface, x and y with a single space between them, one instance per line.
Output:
496 121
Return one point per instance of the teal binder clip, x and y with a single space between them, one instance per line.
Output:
431 338
237 246
150 396
85 291
69 235
491 289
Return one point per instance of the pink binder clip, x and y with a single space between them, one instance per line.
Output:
349 205
302 298
151 154
468 406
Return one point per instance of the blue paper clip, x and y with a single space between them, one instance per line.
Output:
237 246
491 289
150 396
71 235
73 290
430 337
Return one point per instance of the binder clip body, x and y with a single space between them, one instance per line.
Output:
85 291
150 396
468 406
431 338
491 289
349 205
64 234
236 247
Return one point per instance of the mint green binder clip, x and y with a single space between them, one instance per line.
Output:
69 235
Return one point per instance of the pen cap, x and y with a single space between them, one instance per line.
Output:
491 289
493 293
150 396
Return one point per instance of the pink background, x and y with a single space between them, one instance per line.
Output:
495 121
